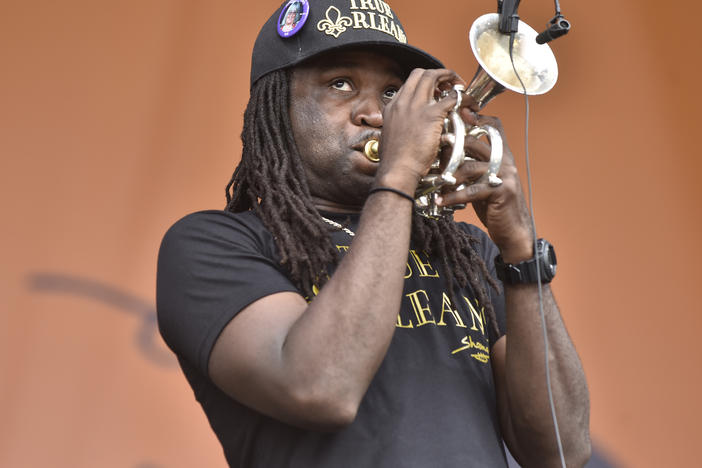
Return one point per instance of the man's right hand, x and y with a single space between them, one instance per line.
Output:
412 126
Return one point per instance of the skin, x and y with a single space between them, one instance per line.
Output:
310 364
290 18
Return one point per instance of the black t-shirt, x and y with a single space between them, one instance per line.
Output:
431 403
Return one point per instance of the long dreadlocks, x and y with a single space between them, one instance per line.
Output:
270 181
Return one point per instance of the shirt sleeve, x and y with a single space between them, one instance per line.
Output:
488 251
211 265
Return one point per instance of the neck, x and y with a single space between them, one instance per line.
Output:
333 207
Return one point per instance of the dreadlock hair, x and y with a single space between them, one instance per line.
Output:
271 181
459 259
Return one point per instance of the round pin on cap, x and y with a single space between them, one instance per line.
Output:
293 17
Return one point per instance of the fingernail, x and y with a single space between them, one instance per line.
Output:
439 200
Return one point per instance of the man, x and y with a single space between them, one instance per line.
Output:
322 322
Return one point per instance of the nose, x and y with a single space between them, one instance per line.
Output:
368 111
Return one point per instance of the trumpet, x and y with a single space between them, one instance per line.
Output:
538 71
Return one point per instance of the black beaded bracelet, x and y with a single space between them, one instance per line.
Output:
390 189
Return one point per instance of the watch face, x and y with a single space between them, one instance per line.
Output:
549 261
542 265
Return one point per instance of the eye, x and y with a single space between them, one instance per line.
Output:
341 84
390 93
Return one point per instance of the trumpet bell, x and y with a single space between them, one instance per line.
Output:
534 62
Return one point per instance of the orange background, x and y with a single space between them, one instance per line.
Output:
117 118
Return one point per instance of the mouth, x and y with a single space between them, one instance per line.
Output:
364 138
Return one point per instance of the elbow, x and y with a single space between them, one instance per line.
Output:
325 412
540 449
577 444
574 457
337 420
579 454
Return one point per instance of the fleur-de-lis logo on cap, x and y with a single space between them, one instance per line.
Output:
337 26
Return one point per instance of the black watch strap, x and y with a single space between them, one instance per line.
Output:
526 272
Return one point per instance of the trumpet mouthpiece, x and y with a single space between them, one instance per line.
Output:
371 150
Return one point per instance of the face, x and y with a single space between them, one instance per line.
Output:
336 107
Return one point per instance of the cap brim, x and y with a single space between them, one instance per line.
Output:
407 56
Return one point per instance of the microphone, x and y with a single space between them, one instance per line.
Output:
558 27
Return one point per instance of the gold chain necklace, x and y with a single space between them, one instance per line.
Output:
339 226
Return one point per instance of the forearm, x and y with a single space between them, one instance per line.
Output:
518 358
336 346
525 381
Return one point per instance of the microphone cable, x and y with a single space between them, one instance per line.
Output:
536 252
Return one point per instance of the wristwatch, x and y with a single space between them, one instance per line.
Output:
525 272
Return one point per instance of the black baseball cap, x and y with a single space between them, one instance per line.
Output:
301 29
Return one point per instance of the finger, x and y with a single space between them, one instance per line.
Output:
420 79
471 144
419 89
477 148
470 171
468 114
469 104
494 122
427 81
469 194
410 83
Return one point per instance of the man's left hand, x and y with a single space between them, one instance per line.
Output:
501 209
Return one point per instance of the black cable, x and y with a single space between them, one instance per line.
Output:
536 253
